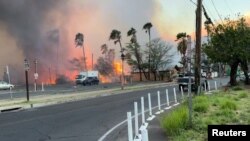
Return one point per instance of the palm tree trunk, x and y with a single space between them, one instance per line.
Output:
137 56
122 77
84 60
149 57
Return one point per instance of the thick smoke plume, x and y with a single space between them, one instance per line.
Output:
26 23
45 30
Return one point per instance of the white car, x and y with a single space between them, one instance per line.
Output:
5 86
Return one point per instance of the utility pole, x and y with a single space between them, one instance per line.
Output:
27 67
197 67
50 76
189 58
92 61
8 74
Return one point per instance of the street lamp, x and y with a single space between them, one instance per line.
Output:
122 79
26 68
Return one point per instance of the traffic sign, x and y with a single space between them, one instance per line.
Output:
36 75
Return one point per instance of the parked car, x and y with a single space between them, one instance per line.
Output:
91 81
5 86
183 82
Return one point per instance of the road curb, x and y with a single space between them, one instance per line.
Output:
59 99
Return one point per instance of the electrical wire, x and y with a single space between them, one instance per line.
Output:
216 11
227 5
193 2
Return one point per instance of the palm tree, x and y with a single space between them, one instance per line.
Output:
136 50
182 47
79 42
116 36
132 32
104 49
147 28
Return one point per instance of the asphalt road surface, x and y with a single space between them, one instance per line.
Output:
20 91
85 120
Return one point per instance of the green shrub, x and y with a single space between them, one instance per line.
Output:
237 88
228 104
243 95
175 121
200 104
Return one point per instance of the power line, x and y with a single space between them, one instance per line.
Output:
208 11
217 11
225 1
209 21
193 2
205 13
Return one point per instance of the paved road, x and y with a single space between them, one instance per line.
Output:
85 120
20 91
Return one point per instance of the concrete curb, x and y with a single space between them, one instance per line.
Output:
46 100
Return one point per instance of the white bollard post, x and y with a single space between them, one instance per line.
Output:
208 84
167 99
182 95
142 110
11 94
145 135
144 124
136 120
175 98
215 84
159 103
130 128
151 116
42 87
35 87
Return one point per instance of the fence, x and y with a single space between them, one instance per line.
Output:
141 134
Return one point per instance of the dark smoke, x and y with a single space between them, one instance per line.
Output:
25 21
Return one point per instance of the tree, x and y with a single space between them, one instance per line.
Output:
147 28
230 44
116 36
109 54
134 57
104 49
182 47
161 56
79 40
104 67
76 64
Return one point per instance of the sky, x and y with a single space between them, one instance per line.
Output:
45 30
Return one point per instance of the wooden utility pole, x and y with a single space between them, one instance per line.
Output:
197 67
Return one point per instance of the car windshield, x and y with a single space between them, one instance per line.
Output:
185 80
3 82
79 76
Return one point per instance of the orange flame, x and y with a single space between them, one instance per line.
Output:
117 68
105 79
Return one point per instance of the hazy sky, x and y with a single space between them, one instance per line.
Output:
25 25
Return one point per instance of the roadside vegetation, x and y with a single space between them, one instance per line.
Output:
230 107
